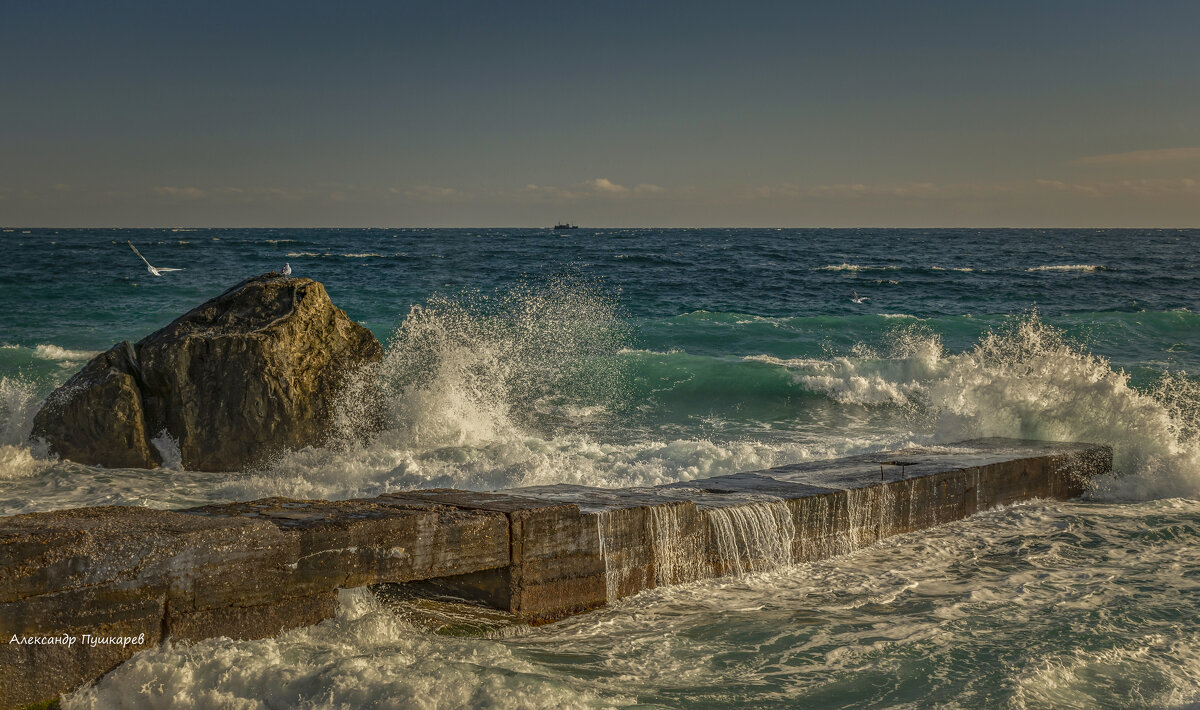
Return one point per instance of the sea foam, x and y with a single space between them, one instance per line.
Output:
1069 267
1026 380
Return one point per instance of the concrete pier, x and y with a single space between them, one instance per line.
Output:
83 590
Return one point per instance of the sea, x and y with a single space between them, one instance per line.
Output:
631 357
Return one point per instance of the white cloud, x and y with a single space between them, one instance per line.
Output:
1076 188
1144 187
430 193
1144 157
186 193
606 186
858 190
231 193
596 188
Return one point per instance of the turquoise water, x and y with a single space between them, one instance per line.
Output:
633 357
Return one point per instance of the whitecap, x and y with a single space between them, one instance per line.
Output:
1070 267
854 267
54 352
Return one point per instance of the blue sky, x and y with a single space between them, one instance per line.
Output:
609 114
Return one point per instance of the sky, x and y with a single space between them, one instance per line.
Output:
651 113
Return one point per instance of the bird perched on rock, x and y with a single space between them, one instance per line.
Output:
286 270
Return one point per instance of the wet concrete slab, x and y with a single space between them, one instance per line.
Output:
532 554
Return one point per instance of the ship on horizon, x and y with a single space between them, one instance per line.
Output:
566 225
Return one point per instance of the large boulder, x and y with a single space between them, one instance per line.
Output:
255 371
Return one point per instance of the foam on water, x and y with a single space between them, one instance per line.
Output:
533 386
366 657
1028 606
740 353
1069 267
1025 380
47 351
856 267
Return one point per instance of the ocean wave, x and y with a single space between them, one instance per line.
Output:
784 362
367 656
1026 380
946 595
1070 267
546 384
54 352
298 254
488 393
855 267
362 256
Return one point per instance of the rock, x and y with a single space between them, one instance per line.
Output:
97 416
253 372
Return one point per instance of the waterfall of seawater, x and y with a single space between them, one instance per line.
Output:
746 538
674 561
752 538
615 565
871 513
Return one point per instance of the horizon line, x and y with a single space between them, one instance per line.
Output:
9 228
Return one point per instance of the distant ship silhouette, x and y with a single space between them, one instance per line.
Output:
566 225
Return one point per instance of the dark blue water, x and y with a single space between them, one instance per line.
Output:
83 288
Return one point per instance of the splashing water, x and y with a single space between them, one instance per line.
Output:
742 355
18 403
1026 380
481 367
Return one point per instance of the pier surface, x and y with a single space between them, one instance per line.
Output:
83 590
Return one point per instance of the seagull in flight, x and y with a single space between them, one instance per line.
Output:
286 270
156 270
857 298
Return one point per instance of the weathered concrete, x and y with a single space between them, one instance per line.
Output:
249 570
244 570
555 567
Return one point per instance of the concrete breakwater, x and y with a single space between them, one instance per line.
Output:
83 590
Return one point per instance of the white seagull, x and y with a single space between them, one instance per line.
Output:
857 298
156 270
286 270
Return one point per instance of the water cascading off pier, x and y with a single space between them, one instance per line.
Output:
249 570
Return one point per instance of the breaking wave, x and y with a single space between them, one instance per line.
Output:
541 384
1069 267
855 267
54 352
19 401
1026 380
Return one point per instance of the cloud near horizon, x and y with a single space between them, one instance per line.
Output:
430 193
1143 157
1056 199
589 189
